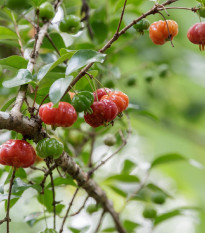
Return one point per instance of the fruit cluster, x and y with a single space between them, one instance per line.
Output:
100 107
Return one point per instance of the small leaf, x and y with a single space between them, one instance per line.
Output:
58 89
46 199
128 166
80 230
82 58
47 68
130 226
62 181
6 33
155 188
118 191
23 77
168 158
8 104
4 197
15 61
48 230
123 178
109 229
19 186
32 218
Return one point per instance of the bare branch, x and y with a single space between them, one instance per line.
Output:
100 222
121 17
69 207
81 208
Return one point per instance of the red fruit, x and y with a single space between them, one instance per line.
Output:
196 34
17 153
100 93
119 98
104 111
158 31
64 115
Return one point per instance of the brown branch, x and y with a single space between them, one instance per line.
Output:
53 191
81 208
69 207
121 17
9 198
100 222
153 11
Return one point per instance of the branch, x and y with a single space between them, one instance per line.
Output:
115 37
81 208
69 207
100 222
30 67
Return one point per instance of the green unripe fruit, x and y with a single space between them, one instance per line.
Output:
109 140
92 209
163 70
49 147
142 25
46 11
159 198
17 4
201 11
131 82
70 24
149 213
82 101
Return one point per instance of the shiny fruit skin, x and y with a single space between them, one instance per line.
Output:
49 147
109 140
149 213
119 98
159 198
100 93
158 31
17 153
70 24
46 11
64 115
82 101
142 25
104 111
196 34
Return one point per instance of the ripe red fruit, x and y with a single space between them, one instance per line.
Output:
119 98
104 111
64 115
17 153
100 93
196 34
159 33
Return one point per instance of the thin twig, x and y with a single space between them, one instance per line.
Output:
67 212
53 191
121 17
37 169
42 184
90 163
81 208
52 43
9 198
100 222
18 34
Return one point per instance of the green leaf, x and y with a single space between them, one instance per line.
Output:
46 199
15 61
82 58
8 104
118 191
62 181
48 230
23 77
168 158
130 226
123 178
155 188
47 68
80 230
59 208
109 229
128 166
32 218
57 40
6 33
58 88
4 197
19 186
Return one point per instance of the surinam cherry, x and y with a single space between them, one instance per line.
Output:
64 115
196 34
162 31
17 153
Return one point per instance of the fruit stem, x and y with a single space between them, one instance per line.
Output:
9 198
